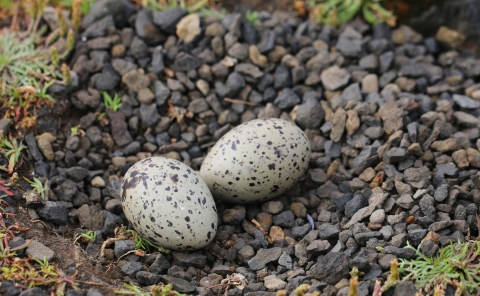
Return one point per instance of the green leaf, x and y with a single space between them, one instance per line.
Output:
369 16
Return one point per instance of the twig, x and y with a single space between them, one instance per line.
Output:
259 227
241 102
89 283
140 253
105 243
44 225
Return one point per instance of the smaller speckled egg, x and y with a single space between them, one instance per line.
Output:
168 203
256 161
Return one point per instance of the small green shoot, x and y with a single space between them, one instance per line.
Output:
143 243
11 149
86 237
38 186
74 131
131 290
160 290
252 16
112 104
214 12
42 93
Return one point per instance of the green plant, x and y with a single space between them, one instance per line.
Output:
143 243
38 186
252 16
336 12
215 12
113 104
160 290
42 91
89 235
190 5
11 148
457 264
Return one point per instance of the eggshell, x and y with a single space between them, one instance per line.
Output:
256 161
168 203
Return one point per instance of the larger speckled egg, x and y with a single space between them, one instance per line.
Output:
256 161
168 203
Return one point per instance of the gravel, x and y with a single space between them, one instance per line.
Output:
392 119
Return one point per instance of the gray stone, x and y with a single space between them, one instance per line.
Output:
286 99
263 257
328 231
167 20
310 113
160 265
284 219
39 251
429 248
465 102
405 289
57 214
330 269
334 78
400 252
123 246
131 268
146 278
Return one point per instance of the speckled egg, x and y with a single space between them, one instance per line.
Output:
168 203
256 161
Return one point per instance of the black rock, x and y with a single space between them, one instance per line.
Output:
355 204
406 288
120 10
64 189
283 78
52 212
146 30
41 168
123 246
330 269
138 48
35 291
179 285
146 278
162 92
32 146
160 265
267 41
108 79
185 62
287 99
284 219
167 20
249 34
77 174
429 248
132 268
8 288
158 64
149 115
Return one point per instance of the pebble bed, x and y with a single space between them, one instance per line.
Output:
392 118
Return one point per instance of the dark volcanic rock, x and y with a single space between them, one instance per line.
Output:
330 269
